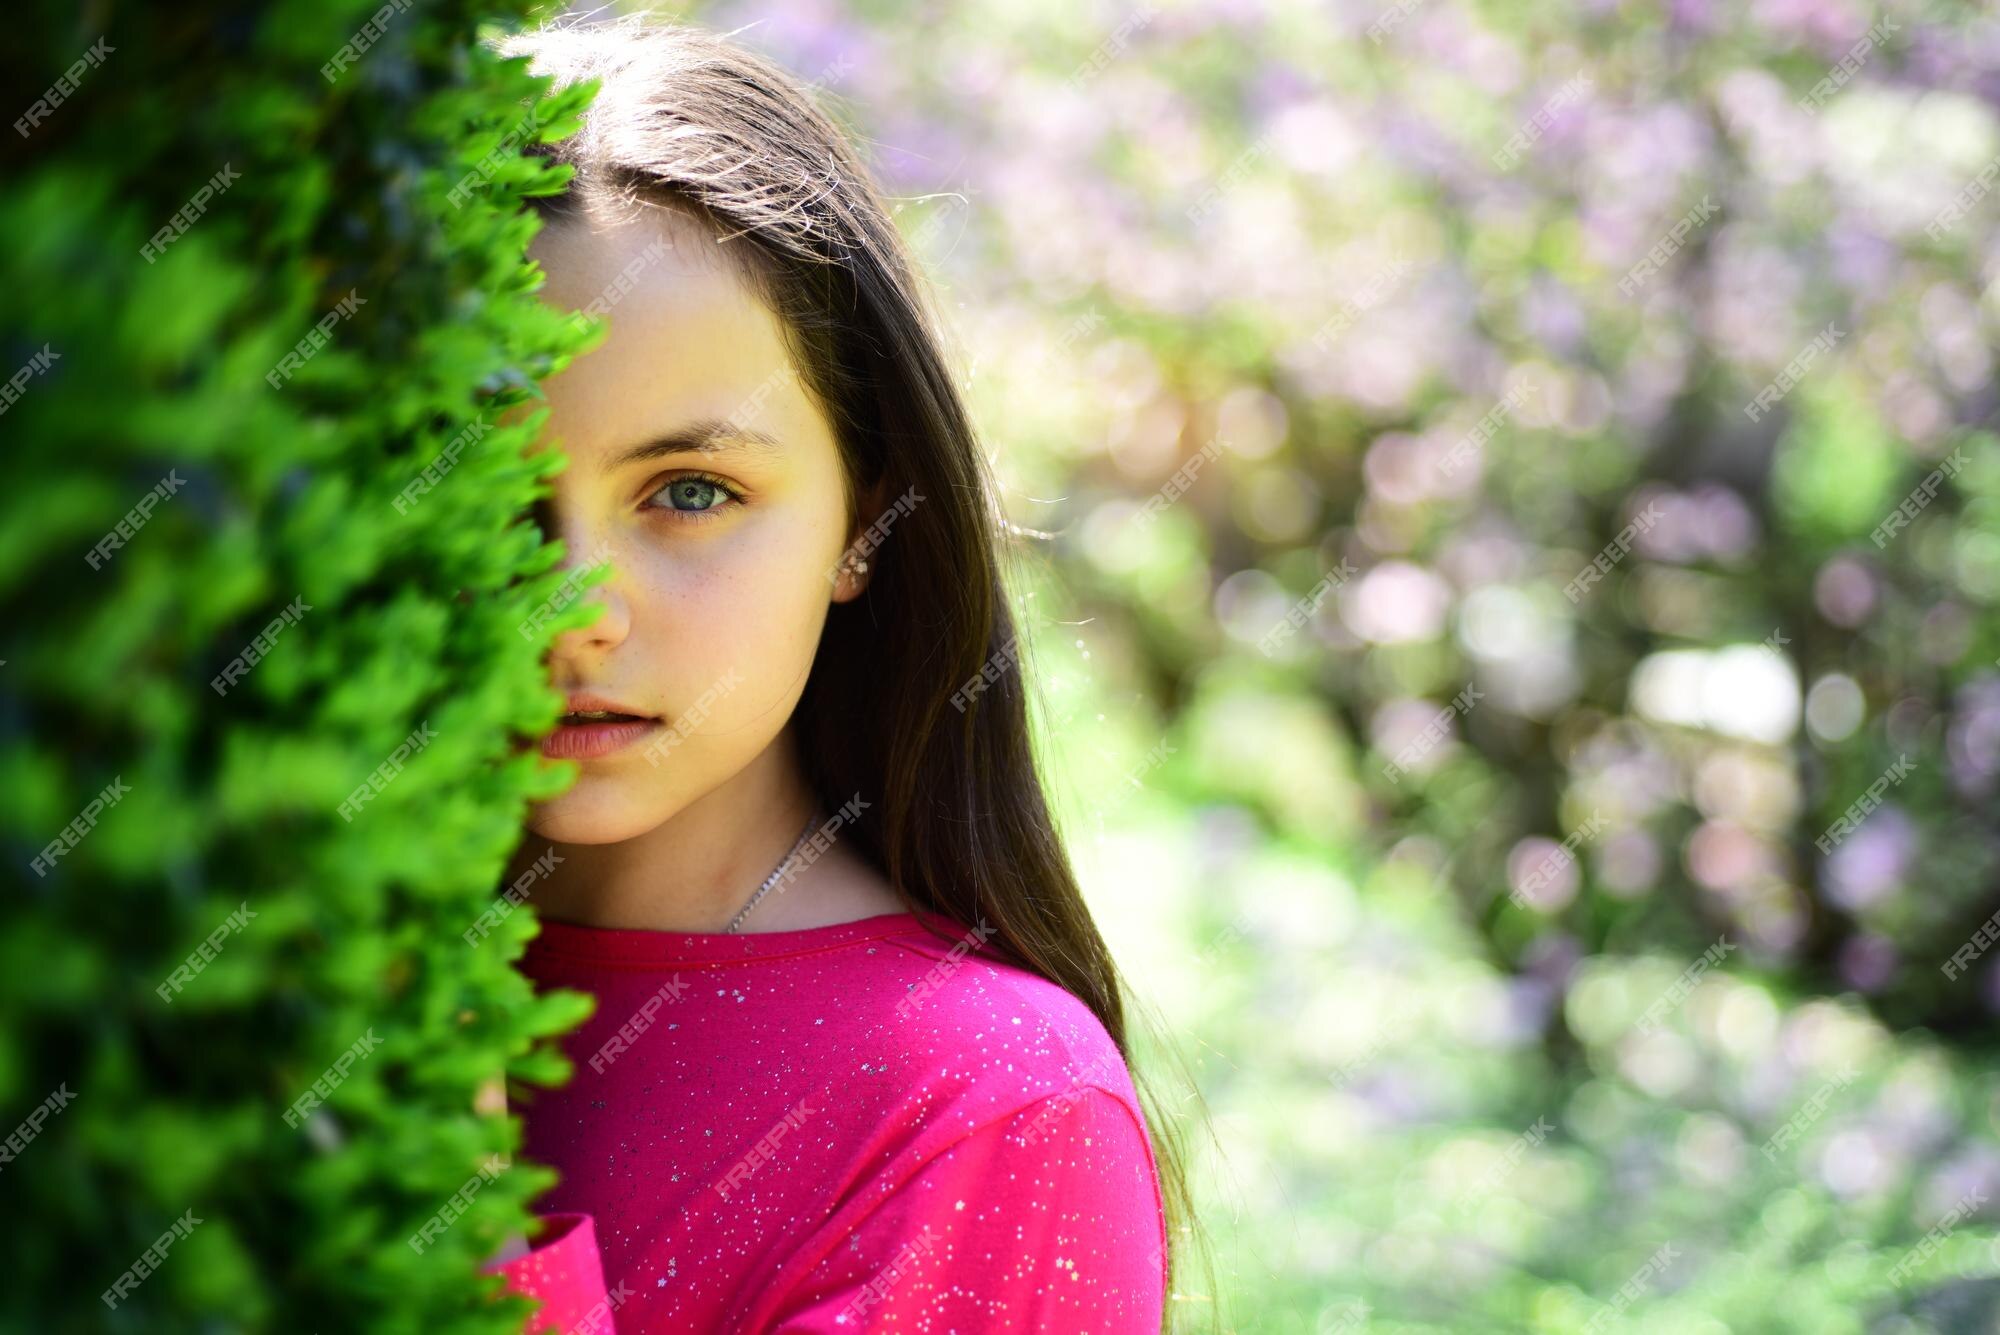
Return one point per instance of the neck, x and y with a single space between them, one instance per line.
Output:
696 870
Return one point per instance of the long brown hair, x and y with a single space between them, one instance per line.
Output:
962 826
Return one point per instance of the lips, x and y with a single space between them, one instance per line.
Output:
591 708
594 741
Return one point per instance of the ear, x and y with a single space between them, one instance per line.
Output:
848 581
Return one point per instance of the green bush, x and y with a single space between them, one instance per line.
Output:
265 264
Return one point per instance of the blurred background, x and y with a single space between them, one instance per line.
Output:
1518 620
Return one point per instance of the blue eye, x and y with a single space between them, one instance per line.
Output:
693 496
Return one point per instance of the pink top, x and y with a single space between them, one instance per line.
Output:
848 1128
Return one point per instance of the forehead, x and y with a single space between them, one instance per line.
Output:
689 336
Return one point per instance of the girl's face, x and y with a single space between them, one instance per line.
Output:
703 470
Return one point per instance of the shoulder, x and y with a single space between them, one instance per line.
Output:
1000 1151
980 1038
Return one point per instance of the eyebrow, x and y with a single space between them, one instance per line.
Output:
710 435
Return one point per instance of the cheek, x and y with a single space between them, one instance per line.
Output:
746 609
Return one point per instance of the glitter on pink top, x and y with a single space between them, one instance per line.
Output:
849 1128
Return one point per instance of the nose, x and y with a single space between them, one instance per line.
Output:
585 644
579 651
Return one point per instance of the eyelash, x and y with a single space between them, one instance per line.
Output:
732 497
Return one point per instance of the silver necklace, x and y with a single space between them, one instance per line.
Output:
776 872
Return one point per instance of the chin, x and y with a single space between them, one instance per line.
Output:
594 812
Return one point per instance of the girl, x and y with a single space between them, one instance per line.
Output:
857 1060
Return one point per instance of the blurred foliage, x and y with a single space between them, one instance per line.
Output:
250 310
1507 911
